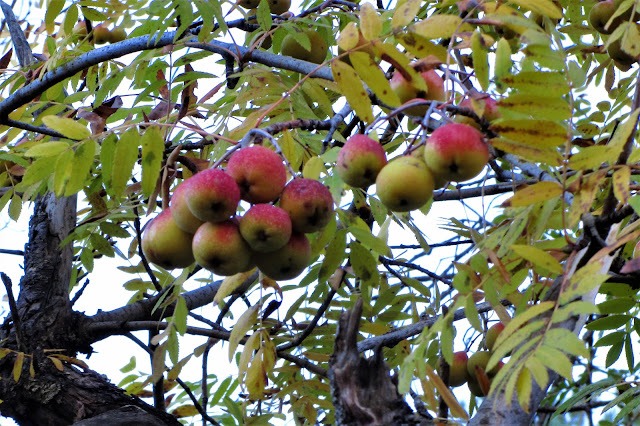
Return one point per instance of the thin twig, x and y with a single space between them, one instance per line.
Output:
14 309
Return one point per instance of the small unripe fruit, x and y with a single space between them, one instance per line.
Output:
479 361
101 34
316 54
458 374
601 13
492 334
456 152
309 204
259 173
165 244
212 195
219 248
407 91
404 184
117 34
360 160
277 7
287 262
265 227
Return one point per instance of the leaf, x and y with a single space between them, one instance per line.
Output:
438 26
445 394
370 22
536 133
548 156
187 410
124 158
256 379
620 183
56 363
530 82
622 134
554 360
349 37
15 207
405 13
48 149
180 315
590 158
503 61
370 241
543 7
536 193
63 170
523 388
480 58
610 322
252 344
334 254
82 163
152 156
364 264
17 366
67 127
314 167
246 321
538 257
353 89
539 106
230 284
54 9
372 75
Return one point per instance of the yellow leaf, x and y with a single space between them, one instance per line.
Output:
185 411
622 134
256 379
543 7
503 61
523 389
405 13
538 192
370 22
17 366
445 394
314 167
590 158
374 77
539 106
438 26
621 178
349 37
47 149
631 41
537 133
420 47
231 283
532 81
68 127
480 59
353 89
56 363
244 324
538 257
543 155
252 344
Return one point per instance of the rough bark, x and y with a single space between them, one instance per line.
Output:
362 389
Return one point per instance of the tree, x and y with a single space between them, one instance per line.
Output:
98 138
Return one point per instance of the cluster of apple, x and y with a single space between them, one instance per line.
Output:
201 222
601 18
101 34
453 152
472 370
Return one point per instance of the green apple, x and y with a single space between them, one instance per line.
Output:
212 195
407 91
360 160
180 210
319 47
456 152
101 34
259 172
492 334
405 184
220 248
601 13
308 203
165 244
287 262
265 227
277 7
458 374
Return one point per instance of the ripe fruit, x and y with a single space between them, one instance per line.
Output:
101 34
212 195
219 248
319 47
458 374
277 7
166 245
407 91
265 227
309 204
405 184
360 160
287 262
601 13
117 34
456 152
484 107
259 173
181 212
492 334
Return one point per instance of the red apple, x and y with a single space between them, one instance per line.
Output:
219 248
456 152
484 107
407 91
265 227
360 160
259 173
212 195
287 262
458 374
181 212
492 334
165 244
309 204
405 184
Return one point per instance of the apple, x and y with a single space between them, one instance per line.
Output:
117 34
212 195
165 244
405 184
259 173
458 374
620 56
360 160
456 152
492 334
101 34
406 91
181 212
220 248
265 227
484 106
319 47
601 13
479 361
287 262
309 204
277 7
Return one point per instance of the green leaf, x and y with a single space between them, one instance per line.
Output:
543 7
152 157
48 149
370 241
613 354
610 322
555 360
180 315
353 89
438 26
67 127
480 57
364 264
63 170
54 8
334 255
124 158
538 258
81 167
